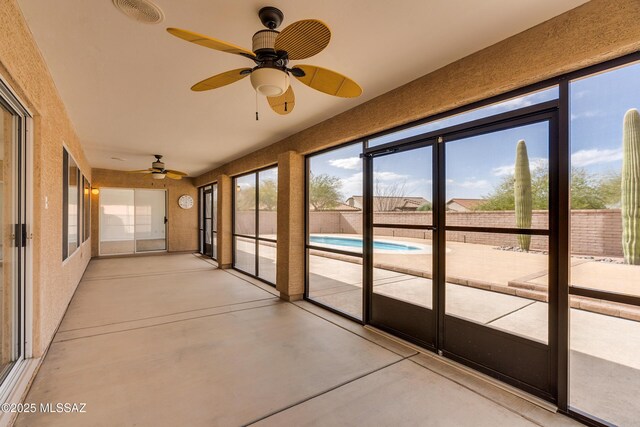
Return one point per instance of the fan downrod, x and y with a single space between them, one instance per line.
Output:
271 17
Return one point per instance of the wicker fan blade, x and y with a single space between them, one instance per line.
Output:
173 175
221 79
303 39
284 103
176 172
211 43
328 81
143 171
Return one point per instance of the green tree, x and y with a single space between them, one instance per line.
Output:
588 191
324 191
245 198
268 195
425 207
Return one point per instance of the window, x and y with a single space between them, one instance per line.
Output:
468 116
334 229
255 223
72 225
605 265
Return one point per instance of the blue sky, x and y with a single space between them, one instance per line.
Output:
475 165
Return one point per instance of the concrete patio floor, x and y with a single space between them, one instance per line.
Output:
604 349
171 340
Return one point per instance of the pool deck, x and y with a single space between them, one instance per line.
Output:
513 273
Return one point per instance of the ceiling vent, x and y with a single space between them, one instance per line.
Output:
140 10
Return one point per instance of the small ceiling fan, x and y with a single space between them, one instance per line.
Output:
158 171
272 51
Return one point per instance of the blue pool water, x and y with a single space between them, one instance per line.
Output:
352 242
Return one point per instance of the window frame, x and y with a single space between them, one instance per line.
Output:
257 237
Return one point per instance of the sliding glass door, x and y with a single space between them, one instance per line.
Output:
13 233
132 221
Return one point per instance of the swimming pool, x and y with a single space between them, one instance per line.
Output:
354 242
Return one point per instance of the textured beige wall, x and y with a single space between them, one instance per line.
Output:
22 66
182 233
224 221
290 258
590 34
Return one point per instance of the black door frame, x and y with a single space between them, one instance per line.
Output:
206 249
404 319
544 385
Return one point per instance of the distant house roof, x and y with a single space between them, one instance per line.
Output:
470 204
386 203
341 207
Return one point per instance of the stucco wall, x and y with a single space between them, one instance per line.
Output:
182 231
592 33
54 281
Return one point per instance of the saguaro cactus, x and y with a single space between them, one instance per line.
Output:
631 187
522 194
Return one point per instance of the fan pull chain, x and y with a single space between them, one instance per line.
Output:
285 105
257 106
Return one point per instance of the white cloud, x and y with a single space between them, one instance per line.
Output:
589 114
512 104
506 170
352 186
595 156
351 163
475 184
388 176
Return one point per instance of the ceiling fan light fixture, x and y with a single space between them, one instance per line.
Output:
270 81
158 175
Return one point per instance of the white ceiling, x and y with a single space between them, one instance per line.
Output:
126 84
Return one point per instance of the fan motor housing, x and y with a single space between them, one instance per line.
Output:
264 41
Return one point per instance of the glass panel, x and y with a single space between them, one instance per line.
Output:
604 361
403 187
117 219
491 281
245 205
335 198
481 185
245 255
267 261
604 247
73 223
268 195
207 231
87 208
9 339
336 281
402 265
482 112
214 246
150 228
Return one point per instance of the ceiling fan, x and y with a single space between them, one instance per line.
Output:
272 51
158 171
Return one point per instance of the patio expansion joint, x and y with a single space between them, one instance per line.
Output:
459 383
155 273
164 323
330 389
165 315
511 312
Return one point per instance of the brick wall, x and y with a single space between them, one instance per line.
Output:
593 232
